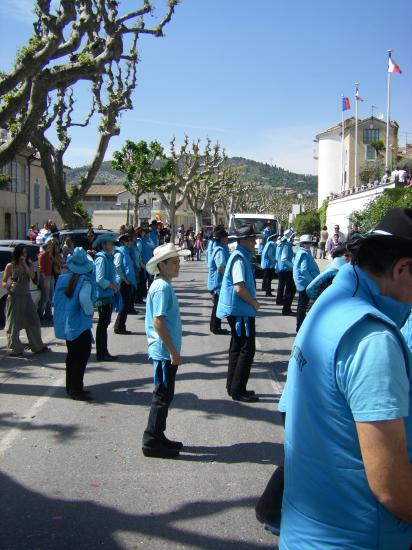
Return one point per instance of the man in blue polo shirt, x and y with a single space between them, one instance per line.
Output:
237 302
348 404
219 256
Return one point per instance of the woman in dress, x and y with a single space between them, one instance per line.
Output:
20 310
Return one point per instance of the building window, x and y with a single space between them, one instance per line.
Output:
13 175
370 153
37 195
47 199
369 135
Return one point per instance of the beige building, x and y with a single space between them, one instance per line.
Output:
25 197
108 205
329 153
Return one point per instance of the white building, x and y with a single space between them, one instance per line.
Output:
329 153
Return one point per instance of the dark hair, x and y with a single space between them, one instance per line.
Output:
72 285
324 228
339 251
378 253
17 253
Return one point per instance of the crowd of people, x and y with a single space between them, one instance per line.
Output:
347 404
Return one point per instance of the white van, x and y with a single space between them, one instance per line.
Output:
259 222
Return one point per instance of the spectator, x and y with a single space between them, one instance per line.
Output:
20 309
46 281
322 242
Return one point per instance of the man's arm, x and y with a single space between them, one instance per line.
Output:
388 468
245 295
161 329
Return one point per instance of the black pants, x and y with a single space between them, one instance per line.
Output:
268 275
105 316
303 302
126 294
269 505
286 290
241 354
141 291
162 397
215 322
78 353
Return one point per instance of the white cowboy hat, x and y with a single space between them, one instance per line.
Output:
306 239
162 253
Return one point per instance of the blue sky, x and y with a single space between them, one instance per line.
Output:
262 77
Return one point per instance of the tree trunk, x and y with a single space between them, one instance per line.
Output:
199 220
214 217
72 219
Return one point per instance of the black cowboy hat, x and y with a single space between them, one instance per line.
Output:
220 233
397 222
245 232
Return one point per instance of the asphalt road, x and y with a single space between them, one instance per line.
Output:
73 475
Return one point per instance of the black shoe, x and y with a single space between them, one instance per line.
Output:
107 357
245 398
279 303
159 451
42 350
221 331
250 392
171 444
81 396
122 331
269 294
289 312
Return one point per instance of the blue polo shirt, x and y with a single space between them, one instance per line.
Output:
162 302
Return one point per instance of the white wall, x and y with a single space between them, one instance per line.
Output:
329 166
340 210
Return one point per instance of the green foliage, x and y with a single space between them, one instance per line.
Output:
379 147
4 179
377 208
266 174
145 166
405 163
322 212
307 222
371 170
26 52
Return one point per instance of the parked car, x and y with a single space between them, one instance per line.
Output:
79 236
6 249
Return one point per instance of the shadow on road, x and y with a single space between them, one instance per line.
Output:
31 521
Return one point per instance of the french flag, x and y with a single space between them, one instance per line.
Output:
345 103
392 66
357 95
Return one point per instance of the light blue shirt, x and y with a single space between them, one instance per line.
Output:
371 373
100 273
162 302
85 298
220 259
238 272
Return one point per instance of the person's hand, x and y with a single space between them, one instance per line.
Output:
176 359
256 305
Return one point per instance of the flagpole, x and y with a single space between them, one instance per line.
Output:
388 114
356 136
343 149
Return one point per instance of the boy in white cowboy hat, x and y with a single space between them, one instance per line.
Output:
164 335
305 269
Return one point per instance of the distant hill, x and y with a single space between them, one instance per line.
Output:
259 172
